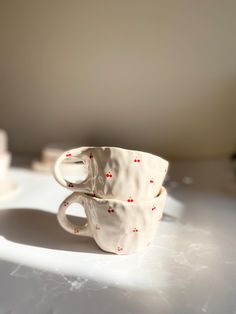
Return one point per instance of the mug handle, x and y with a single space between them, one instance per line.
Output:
64 221
73 153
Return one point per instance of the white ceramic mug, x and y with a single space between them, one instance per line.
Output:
115 173
117 226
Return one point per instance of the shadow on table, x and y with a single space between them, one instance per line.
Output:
39 228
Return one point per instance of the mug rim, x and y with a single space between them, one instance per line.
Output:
161 194
118 148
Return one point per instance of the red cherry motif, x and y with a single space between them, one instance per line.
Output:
97 227
151 181
66 204
119 248
68 155
70 185
109 175
137 160
154 207
130 200
76 230
110 210
135 230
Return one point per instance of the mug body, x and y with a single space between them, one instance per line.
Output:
122 227
117 173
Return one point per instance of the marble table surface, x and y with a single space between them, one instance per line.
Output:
189 268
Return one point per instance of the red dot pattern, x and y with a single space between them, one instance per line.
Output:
109 175
110 210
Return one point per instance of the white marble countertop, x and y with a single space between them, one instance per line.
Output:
189 268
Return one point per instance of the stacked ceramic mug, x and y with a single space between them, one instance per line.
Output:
122 195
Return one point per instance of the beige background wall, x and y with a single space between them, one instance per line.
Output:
153 75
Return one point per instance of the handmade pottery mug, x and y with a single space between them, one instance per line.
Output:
115 173
117 226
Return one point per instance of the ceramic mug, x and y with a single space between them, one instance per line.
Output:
115 173
117 226
5 160
5 156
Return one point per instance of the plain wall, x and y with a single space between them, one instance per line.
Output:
151 75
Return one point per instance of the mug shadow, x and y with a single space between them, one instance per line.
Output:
39 228
168 218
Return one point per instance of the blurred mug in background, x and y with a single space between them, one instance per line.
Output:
5 156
